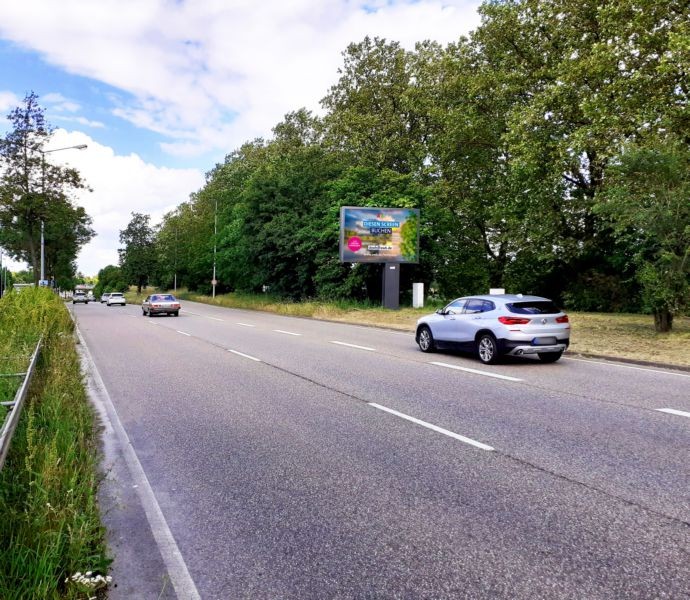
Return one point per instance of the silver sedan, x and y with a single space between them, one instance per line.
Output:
497 325
161 304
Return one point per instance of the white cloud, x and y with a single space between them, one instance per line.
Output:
121 185
81 121
59 103
8 101
211 74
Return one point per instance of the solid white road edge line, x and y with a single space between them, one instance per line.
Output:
475 371
183 333
286 332
242 354
172 557
456 436
673 411
354 346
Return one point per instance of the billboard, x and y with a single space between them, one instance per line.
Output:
378 235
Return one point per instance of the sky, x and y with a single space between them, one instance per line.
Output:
162 90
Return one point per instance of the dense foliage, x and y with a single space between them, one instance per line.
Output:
547 152
50 527
33 191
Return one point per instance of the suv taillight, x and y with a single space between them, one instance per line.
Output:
513 320
563 319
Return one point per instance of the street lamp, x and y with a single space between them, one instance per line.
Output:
43 183
214 281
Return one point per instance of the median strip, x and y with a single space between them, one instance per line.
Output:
475 371
673 411
455 436
354 346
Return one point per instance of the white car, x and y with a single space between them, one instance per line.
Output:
104 297
116 298
492 326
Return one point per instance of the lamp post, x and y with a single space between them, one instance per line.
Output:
43 184
215 233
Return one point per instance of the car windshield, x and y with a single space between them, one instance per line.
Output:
163 298
535 307
111 295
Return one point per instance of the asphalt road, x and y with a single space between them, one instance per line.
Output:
290 458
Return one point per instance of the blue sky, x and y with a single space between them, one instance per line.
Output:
162 90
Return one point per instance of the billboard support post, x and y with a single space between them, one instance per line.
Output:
391 286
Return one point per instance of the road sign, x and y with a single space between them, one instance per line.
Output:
214 282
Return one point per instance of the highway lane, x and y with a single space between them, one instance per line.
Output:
598 437
280 479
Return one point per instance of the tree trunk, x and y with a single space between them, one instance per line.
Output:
663 320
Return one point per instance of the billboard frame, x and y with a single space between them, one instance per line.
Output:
378 235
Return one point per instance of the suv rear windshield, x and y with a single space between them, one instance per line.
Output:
537 307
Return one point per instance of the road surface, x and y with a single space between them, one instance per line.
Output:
277 457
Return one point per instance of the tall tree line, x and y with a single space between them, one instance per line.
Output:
548 153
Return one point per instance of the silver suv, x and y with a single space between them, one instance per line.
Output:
497 325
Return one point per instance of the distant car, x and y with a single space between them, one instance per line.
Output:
104 297
116 298
158 304
80 297
497 325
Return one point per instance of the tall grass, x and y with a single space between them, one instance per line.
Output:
50 524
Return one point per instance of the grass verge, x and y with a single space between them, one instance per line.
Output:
50 528
615 335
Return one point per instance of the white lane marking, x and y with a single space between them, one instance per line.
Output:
189 312
354 346
172 557
245 324
215 318
673 411
286 332
242 354
475 371
615 364
456 436
183 333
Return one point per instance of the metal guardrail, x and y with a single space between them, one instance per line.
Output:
16 405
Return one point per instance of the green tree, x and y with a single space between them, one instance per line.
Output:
138 257
32 191
647 205
371 118
110 279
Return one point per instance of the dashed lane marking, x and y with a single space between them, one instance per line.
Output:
476 371
353 346
243 355
456 436
673 411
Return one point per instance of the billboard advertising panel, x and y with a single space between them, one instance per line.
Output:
378 235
